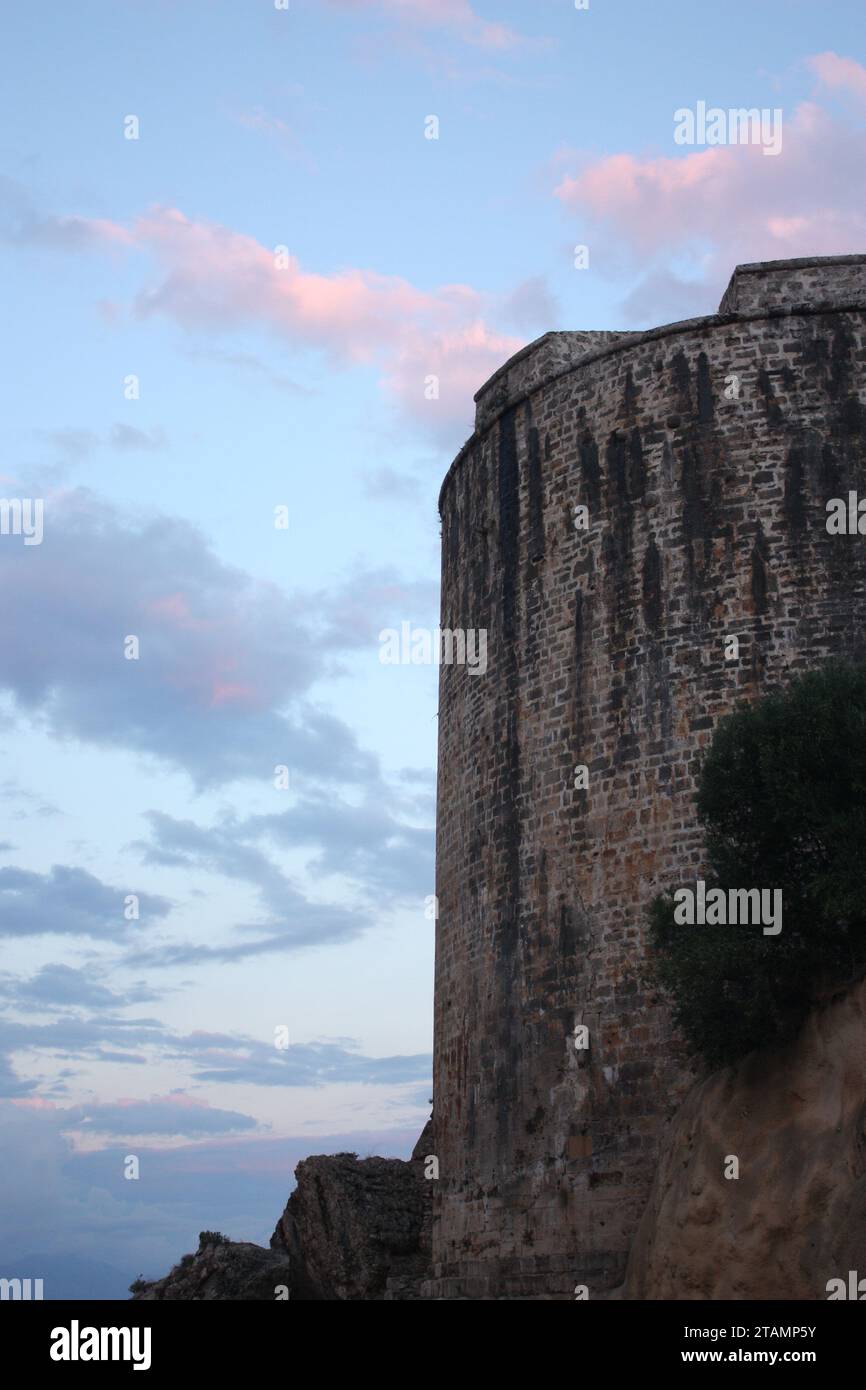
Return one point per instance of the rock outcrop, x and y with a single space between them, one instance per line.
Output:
221 1269
354 1229
795 1218
358 1229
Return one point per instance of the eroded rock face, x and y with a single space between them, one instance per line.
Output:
353 1229
795 1218
228 1270
357 1229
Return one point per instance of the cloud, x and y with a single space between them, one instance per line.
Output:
208 1057
663 296
454 16
303 924
27 803
248 362
262 122
840 74
79 444
532 307
54 1200
218 278
170 1115
351 615
291 921
435 375
75 443
377 851
213 279
22 225
387 484
248 1061
62 986
67 901
366 843
723 205
127 437
224 670
318 1064
81 1037
11 1085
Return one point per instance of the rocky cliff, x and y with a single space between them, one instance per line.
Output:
794 1120
353 1229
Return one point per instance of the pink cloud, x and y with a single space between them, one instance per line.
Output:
218 278
213 279
211 683
460 359
840 73
239 695
457 16
174 609
726 204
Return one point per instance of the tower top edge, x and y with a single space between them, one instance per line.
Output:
756 290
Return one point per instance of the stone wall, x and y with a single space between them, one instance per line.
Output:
705 452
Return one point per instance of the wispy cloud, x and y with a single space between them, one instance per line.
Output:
210 1056
453 16
22 224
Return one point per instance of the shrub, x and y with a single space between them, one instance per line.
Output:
212 1238
782 799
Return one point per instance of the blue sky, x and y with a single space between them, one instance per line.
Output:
295 377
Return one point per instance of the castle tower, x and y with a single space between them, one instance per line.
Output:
704 453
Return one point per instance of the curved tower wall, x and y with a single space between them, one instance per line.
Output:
705 452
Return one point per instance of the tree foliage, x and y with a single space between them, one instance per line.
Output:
782 800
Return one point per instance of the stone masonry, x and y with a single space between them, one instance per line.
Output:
705 452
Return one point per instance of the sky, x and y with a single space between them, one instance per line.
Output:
255 261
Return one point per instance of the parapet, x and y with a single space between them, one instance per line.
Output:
533 365
787 286
761 289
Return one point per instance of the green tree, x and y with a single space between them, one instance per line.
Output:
782 800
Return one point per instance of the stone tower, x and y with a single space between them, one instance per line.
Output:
704 452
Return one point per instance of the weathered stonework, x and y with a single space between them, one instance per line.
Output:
705 452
